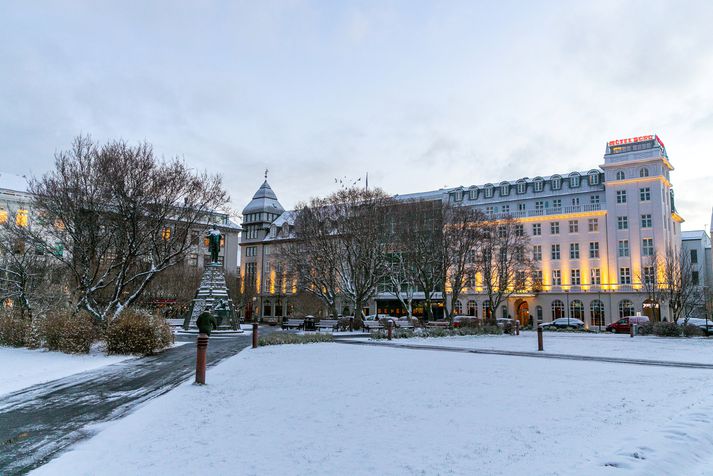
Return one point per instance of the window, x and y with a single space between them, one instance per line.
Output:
576 309
575 201
537 278
593 178
193 260
626 308
538 311
621 196
644 172
538 184
506 208
488 191
521 187
594 200
458 307
521 207
504 189
574 181
596 276
620 175
647 247
623 248
472 308
574 226
537 252
575 276
574 251
489 210
251 251
557 203
471 278
539 205
594 249
519 230
649 276
502 231
473 193
694 278
646 221
537 229
624 276
556 182
645 194
557 309
22 218
520 280
694 256
3 216
622 223
596 310
555 228
593 224
555 251
556 277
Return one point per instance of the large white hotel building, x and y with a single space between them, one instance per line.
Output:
591 233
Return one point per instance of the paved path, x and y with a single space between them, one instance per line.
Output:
540 355
37 422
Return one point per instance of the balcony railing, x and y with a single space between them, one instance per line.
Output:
550 211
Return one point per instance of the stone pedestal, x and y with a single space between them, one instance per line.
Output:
213 293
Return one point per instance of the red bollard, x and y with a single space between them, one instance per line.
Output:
540 347
202 347
390 329
254 335
517 328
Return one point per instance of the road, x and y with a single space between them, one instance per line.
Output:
37 422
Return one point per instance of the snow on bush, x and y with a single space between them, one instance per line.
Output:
437 332
279 339
137 331
67 332
15 331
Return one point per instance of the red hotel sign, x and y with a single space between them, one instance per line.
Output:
630 140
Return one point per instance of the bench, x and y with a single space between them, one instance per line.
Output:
293 324
327 324
373 325
438 324
404 324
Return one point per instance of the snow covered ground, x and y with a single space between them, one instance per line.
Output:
22 368
697 349
364 410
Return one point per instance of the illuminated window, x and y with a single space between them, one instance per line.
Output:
596 276
557 309
556 277
22 217
166 233
472 308
3 216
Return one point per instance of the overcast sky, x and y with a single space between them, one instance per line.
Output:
419 94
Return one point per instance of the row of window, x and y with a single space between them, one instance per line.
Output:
538 185
576 310
22 217
643 172
647 249
595 276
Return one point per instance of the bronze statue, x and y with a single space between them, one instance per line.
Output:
214 244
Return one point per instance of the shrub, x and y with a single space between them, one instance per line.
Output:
667 329
67 332
438 332
646 329
689 330
280 339
15 330
136 331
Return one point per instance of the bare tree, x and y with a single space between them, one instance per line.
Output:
651 282
402 279
123 215
503 261
464 229
678 289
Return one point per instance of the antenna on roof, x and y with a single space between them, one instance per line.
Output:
266 171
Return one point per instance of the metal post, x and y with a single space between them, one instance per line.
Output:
254 334
631 328
351 323
201 348
517 327
390 329
540 347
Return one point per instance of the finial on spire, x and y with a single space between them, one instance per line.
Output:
266 171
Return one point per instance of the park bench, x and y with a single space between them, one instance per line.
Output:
438 324
327 324
404 324
373 325
293 324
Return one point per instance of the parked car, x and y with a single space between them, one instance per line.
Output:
564 323
624 324
698 322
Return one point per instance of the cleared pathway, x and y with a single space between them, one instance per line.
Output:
37 422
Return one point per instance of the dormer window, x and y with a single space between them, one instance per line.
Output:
644 172
556 182
538 184
473 193
593 177
489 191
574 180
620 175
504 189
521 186
459 195
273 231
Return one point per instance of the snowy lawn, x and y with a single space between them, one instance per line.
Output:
364 410
22 368
695 349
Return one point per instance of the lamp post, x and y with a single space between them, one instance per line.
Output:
566 293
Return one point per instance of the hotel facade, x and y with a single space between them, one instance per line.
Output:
593 235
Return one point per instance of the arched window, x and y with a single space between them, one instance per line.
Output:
538 312
267 308
576 309
504 189
487 313
620 175
538 184
488 190
459 307
521 186
473 193
626 308
574 180
557 309
556 182
472 308
593 177
644 172
278 308
596 310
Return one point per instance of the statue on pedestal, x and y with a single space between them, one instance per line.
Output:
214 244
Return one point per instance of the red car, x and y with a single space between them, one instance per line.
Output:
624 324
